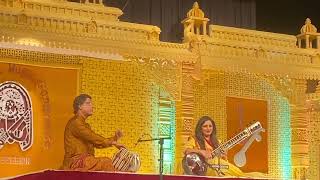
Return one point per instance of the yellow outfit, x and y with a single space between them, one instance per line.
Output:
79 144
232 171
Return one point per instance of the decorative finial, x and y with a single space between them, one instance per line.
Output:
195 11
308 37
308 27
195 24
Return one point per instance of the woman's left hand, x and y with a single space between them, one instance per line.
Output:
224 154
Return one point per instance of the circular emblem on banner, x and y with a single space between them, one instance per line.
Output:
15 115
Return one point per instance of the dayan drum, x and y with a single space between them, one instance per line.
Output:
126 161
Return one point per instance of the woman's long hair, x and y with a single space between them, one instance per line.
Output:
199 136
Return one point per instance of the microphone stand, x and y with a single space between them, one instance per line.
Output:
161 141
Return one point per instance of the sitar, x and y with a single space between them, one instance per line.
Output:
195 164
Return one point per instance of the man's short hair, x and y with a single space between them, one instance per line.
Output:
78 101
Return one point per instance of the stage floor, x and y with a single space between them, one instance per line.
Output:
76 175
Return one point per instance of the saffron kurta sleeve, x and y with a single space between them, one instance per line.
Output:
191 143
83 131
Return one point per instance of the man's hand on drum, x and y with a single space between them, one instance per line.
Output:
118 134
118 145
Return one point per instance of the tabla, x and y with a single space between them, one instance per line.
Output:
126 161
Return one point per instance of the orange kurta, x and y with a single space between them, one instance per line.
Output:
79 144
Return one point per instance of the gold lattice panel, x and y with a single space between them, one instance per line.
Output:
210 99
125 97
40 58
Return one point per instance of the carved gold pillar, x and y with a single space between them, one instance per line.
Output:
204 27
307 42
192 27
299 127
299 43
184 112
314 134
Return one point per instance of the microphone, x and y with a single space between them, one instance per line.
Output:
139 140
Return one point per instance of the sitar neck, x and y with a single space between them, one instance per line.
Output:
235 140
238 138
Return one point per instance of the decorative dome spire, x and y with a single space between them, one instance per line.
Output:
308 27
195 11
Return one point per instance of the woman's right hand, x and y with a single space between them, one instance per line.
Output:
206 154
